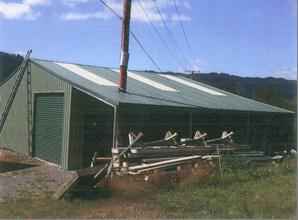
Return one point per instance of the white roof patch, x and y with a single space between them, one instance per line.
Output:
193 85
86 74
148 81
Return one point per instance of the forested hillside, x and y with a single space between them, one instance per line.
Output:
8 63
275 91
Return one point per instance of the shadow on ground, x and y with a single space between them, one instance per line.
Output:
12 166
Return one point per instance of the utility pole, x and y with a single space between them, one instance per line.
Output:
123 70
192 72
124 45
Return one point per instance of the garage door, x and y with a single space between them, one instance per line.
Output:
48 127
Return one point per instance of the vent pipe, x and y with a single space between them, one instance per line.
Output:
124 45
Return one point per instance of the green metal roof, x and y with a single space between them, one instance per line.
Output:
148 88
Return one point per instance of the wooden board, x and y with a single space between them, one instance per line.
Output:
65 186
79 178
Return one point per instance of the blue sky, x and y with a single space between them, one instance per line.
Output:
241 37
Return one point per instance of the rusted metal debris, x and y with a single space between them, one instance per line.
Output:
166 153
169 154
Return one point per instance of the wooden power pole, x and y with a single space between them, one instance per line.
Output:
124 45
123 70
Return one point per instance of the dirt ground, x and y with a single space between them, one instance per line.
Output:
22 176
268 192
27 184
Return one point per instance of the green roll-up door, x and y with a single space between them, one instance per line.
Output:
48 127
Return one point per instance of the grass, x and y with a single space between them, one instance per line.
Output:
268 192
243 192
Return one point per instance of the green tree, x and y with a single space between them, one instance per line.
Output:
272 97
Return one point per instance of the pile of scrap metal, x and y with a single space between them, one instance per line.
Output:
167 154
280 155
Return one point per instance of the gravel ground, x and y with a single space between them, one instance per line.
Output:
25 177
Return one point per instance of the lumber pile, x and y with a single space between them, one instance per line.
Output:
167 154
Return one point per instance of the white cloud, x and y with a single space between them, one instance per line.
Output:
24 10
163 5
137 13
197 64
186 5
36 2
14 10
86 16
72 3
175 17
286 72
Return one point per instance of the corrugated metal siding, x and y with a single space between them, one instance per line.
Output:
14 134
82 106
48 126
76 132
43 82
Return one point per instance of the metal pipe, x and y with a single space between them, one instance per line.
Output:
145 166
115 127
190 124
157 167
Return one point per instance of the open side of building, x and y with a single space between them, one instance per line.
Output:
77 110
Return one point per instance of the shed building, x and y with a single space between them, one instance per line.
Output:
77 110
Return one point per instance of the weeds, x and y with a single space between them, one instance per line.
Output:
267 192
244 192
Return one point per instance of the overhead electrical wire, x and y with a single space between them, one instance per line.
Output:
186 102
169 81
147 30
157 32
162 39
183 30
170 34
134 36
145 51
171 38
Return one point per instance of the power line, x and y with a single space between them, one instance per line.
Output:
178 52
105 4
169 33
161 38
156 31
134 36
146 31
183 30
148 55
143 50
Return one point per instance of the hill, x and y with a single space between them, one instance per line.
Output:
275 91
8 63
